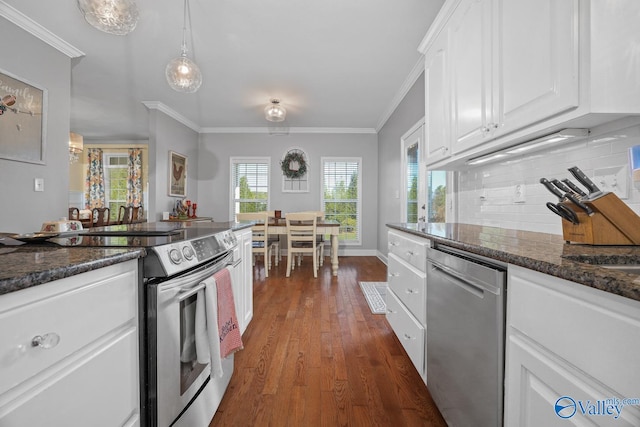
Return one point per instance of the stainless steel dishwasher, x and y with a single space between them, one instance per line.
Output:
465 336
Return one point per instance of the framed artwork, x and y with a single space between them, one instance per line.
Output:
22 120
177 174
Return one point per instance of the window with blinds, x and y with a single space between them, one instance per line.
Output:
249 185
116 173
341 195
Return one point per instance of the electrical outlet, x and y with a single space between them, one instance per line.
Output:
519 193
614 179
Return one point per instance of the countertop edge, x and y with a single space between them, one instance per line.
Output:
593 276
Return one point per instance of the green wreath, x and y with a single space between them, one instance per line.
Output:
293 157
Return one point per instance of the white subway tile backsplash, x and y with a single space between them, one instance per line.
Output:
605 148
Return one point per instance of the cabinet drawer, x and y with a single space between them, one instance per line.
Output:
78 309
410 286
407 329
409 248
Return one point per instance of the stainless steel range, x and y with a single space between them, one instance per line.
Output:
176 389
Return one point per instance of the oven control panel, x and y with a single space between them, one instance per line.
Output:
176 257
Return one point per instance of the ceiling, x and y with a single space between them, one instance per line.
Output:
334 64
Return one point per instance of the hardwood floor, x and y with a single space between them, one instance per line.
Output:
314 355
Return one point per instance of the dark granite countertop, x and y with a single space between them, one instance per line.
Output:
26 266
546 253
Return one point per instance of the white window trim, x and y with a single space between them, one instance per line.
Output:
241 159
358 241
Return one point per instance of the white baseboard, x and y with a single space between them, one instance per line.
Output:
382 258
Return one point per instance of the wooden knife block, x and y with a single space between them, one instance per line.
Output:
613 223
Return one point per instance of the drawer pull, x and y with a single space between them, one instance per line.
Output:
394 274
411 253
411 291
407 337
393 243
45 341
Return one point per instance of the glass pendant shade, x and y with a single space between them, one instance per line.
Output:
275 112
76 144
117 17
183 75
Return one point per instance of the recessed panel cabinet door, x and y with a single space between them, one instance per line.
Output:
537 60
437 96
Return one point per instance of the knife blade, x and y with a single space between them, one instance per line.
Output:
579 203
552 188
584 180
574 187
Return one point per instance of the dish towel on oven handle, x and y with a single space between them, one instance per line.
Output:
224 337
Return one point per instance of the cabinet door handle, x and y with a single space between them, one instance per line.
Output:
45 341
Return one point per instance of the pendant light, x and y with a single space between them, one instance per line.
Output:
183 75
275 112
117 17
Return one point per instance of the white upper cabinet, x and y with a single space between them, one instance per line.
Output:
500 72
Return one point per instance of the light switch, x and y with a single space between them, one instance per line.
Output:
38 184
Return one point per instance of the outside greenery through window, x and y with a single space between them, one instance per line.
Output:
436 196
249 185
116 173
341 195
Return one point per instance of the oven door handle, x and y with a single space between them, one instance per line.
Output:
185 292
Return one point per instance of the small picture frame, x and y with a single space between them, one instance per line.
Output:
23 121
177 174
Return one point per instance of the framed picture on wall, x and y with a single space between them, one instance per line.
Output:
177 174
22 120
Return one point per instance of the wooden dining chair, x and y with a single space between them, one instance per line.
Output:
74 214
260 235
301 238
319 238
100 216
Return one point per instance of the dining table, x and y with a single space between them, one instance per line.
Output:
278 226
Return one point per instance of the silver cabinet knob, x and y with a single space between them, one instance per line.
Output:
45 341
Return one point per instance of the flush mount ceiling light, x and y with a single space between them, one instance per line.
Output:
275 112
183 75
563 135
117 17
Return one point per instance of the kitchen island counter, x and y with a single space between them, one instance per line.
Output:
25 266
542 252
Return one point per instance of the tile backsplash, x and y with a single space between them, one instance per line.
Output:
509 195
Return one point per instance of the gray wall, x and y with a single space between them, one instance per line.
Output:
24 210
214 173
410 110
166 134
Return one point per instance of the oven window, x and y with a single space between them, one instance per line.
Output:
190 369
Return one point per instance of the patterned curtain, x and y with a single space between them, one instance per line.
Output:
134 179
94 185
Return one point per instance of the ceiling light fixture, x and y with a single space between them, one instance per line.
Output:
564 135
275 112
76 145
117 17
183 74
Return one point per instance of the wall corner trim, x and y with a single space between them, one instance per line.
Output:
157 105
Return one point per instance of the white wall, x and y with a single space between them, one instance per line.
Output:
606 147
214 164
24 210
410 110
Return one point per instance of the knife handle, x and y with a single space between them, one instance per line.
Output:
584 179
574 187
552 188
578 203
561 186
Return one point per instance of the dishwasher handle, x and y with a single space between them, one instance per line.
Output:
462 281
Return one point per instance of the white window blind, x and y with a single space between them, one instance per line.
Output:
341 195
249 185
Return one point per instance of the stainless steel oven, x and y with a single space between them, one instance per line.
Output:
176 390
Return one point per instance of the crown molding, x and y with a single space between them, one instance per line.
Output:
417 70
157 105
298 130
23 21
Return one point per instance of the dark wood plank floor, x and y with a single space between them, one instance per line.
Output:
315 356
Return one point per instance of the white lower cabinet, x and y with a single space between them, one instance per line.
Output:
86 369
571 354
243 278
407 297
